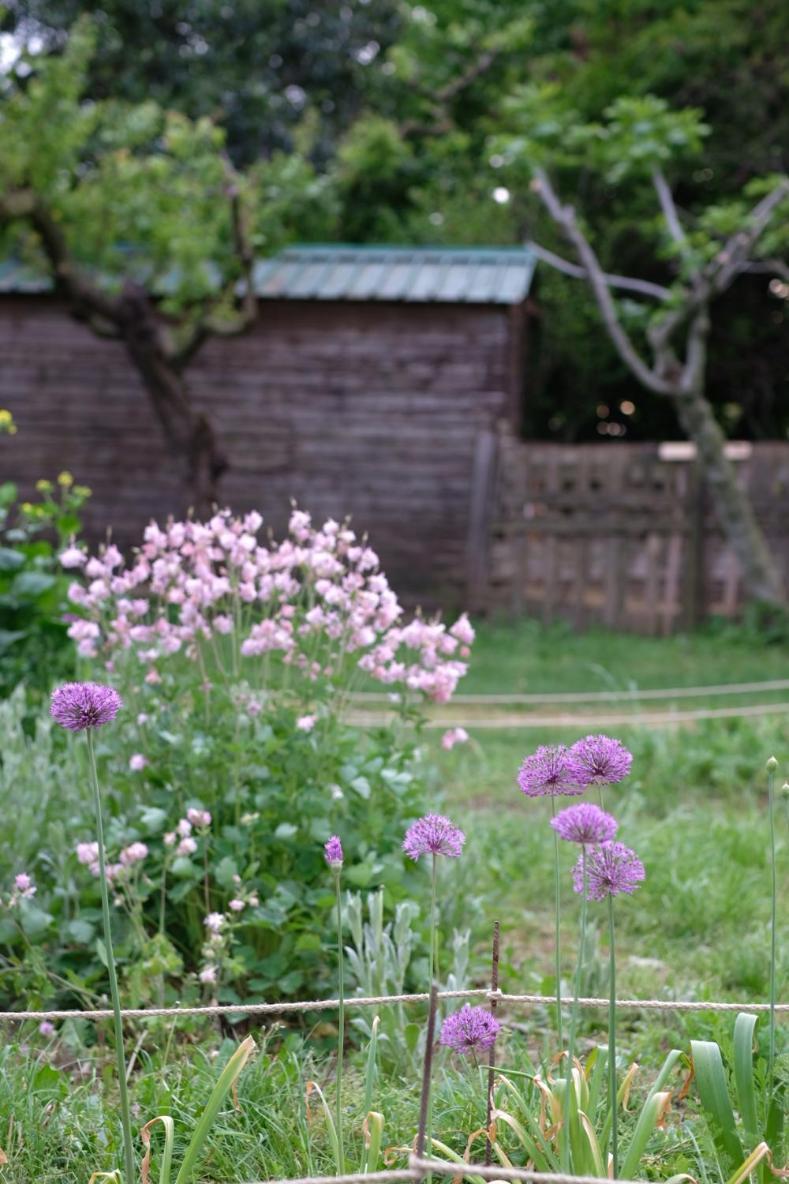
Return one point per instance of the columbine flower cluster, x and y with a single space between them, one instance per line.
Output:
24 889
220 928
195 820
312 599
88 855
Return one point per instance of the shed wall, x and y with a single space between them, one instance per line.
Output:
368 410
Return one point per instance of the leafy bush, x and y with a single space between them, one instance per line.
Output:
34 646
234 760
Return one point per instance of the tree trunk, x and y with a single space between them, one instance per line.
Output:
189 435
733 509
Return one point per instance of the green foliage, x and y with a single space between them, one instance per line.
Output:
34 647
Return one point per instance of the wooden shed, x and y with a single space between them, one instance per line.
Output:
375 384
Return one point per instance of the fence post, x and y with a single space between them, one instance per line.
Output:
694 567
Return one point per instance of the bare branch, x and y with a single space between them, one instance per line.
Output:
624 282
734 256
669 210
774 267
440 99
564 216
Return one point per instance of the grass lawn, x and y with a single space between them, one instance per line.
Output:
694 808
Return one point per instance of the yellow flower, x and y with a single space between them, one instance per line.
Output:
44 486
65 479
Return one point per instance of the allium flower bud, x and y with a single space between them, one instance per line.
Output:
333 852
433 835
584 823
470 1030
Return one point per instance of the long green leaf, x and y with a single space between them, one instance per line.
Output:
373 1137
167 1155
714 1094
227 1077
647 1121
743 1074
332 1129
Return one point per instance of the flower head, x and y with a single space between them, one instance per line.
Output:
208 974
599 760
333 852
584 823
214 922
305 723
82 705
469 1030
187 846
137 762
132 854
433 835
547 773
611 868
46 1028
199 818
452 737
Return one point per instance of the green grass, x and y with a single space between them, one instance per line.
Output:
695 810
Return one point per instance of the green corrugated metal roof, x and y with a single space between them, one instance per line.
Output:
448 275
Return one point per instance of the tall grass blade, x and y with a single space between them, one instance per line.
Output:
313 1087
747 1166
227 1078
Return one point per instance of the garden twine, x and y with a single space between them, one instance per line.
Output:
418 1168
283 1008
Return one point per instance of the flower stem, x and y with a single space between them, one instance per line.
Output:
574 1016
341 1031
557 934
128 1145
774 895
432 975
612 1037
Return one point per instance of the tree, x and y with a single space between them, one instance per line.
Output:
147 230
664 348
253 65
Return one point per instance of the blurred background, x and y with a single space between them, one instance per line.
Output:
506 282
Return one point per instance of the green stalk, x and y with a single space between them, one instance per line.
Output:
557 936
772 764
612 1093
574 1016
341 1032
128 1145
432 973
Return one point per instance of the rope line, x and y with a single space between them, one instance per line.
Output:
729 688
141 1013
418 1168
634 718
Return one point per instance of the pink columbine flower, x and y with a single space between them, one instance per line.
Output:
137 762
132 854
214 922
184 827
452 737
187 846
25 888
72 557
208 974
46 1028
199 818
169 838
305 723
237 905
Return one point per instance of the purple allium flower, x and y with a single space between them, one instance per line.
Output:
433 835
547 773
81 705
333 852
470 1029
584 823
599 760
611 868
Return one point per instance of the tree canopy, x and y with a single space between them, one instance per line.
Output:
395 121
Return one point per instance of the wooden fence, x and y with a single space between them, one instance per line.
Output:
625 534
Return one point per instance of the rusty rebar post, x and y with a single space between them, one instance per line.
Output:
494 986
427 1073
